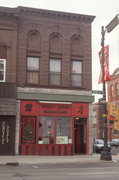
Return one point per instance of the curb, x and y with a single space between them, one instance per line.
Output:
9 164
12 164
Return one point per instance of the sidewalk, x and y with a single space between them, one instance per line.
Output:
18 160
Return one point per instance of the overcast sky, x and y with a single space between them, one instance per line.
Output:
104 10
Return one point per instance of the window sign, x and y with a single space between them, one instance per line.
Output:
62 140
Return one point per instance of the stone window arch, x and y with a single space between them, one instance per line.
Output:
55 43
33 40
77 45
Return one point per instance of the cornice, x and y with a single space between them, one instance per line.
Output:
57 14
20 10
15 13
6 11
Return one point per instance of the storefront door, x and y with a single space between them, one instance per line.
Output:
7 135
78 138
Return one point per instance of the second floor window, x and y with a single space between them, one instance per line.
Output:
76 73
2 70
33 70
55 71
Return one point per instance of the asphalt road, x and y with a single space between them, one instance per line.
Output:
77 171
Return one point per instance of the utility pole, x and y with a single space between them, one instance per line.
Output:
105 154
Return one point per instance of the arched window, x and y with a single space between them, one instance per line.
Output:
33 57
56 43
77 45
33 41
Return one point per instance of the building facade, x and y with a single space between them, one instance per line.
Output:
113 105
97 129
45 60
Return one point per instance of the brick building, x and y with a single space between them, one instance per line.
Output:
45 80
113 104
97 121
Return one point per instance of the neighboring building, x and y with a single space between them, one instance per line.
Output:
47 56
113 104
97 121
94 122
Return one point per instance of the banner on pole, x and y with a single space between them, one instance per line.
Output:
106 65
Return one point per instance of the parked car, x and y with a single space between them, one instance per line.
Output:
98 145
114 142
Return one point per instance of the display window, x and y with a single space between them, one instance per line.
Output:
63 130
46 130
54 130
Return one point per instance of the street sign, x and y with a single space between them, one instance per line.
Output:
97 92
101 99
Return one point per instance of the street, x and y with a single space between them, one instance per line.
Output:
76 171
73 170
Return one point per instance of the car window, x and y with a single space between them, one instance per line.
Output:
99 141
115 140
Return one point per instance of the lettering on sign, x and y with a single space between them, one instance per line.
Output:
3 132
56 112
80 109
63 109
28 107
52 106
7 133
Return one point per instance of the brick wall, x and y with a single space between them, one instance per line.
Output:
67 28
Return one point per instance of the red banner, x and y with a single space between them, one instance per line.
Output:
106 64
28 129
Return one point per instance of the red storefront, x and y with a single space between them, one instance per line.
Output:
53 128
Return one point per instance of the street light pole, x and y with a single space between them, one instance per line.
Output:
105 154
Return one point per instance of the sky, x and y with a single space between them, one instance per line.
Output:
104 10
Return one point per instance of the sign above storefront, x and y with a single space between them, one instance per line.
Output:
57 109
80 109
28 107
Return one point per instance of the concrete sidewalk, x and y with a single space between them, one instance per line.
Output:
17 160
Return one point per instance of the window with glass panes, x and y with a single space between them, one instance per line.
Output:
33 70
46 130
63 126
55 71
52 128
2 70
76 73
